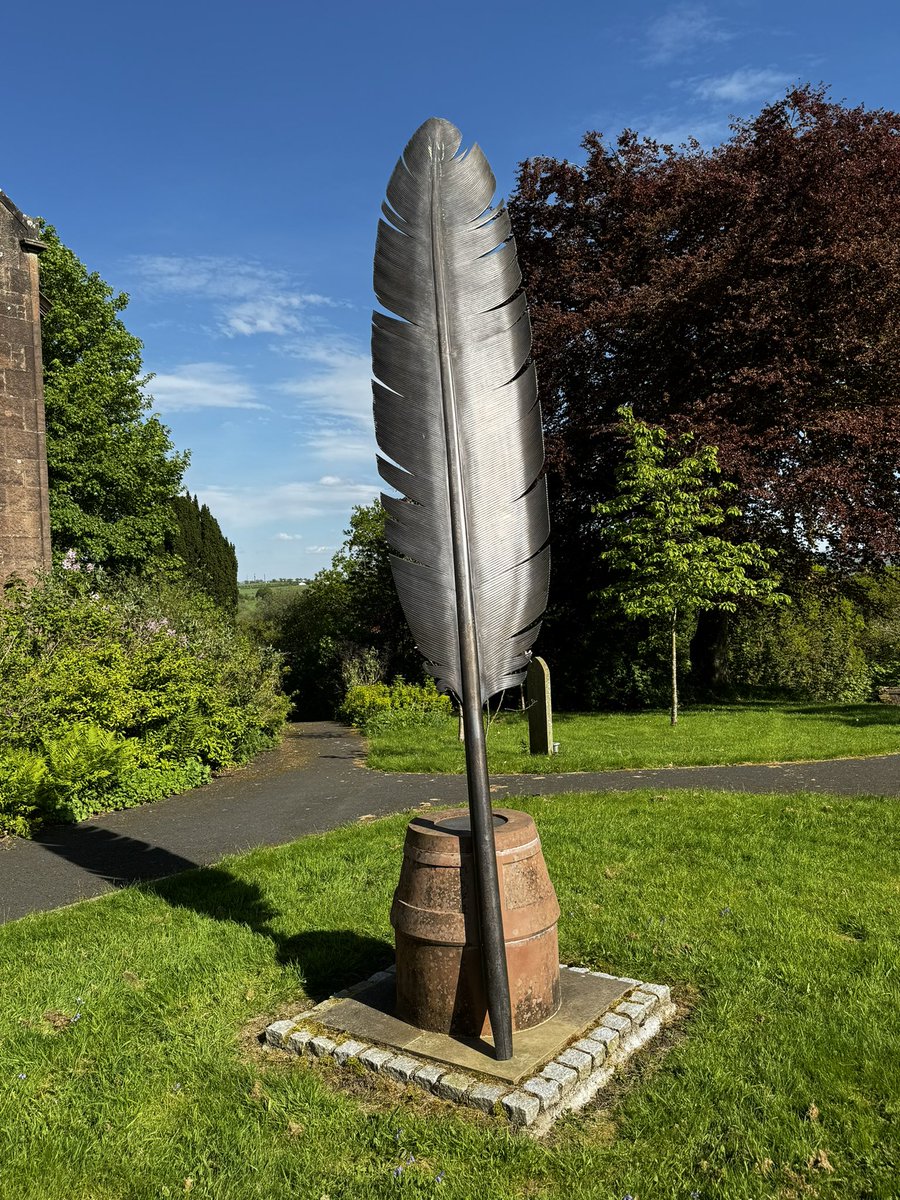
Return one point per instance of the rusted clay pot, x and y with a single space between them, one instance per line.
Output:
439 982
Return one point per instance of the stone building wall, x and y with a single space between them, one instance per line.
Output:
24 511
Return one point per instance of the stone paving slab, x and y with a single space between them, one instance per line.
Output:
556 1074
369 1016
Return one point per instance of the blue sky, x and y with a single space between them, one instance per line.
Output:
224 164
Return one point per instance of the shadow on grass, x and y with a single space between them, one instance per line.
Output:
862 715
326 959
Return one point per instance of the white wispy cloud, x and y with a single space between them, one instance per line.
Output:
277 315
289 537
202 385
334 408
741 86
338 386
252 506
682 30
248 297
705 108
338 447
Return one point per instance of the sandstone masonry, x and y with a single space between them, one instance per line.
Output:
24 511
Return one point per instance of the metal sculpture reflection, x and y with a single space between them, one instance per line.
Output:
459 424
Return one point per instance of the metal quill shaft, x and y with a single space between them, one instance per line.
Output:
490 918
459 430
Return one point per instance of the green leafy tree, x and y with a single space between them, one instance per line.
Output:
209 558
112 467
345 626
310 630
657 534
375 618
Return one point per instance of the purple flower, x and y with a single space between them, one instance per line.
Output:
71 562
22 1075
397 1171
158 625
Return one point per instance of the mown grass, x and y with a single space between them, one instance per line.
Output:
773 918
734 733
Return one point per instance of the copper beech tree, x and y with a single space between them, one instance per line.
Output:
749 294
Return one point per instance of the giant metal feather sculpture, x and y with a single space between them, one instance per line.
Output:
458 422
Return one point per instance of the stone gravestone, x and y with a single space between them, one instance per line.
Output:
540 711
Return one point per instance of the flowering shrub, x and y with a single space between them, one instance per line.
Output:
71 562
112 694
377 706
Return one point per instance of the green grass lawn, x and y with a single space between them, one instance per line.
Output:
734 733
773 918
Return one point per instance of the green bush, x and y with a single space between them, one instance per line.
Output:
145 784
378 706
878 595
882 646
65 779
21 776
117 692
85 771
81 767
812 649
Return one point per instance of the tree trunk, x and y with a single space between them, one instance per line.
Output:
674 717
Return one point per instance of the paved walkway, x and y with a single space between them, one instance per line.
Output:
316 781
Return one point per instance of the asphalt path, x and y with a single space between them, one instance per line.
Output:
316 781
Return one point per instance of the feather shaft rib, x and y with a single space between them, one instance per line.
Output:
459 425
487 881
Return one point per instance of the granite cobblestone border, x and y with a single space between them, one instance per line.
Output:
566 1084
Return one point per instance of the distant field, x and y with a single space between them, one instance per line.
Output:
248 591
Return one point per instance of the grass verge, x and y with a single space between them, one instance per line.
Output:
775 917
734 733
